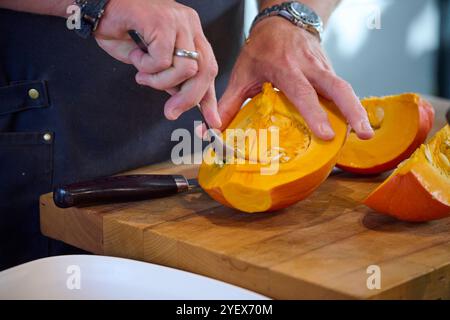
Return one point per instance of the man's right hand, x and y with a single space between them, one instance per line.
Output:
165 25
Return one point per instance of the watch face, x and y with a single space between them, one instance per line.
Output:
305 14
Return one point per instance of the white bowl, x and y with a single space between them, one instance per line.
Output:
101 277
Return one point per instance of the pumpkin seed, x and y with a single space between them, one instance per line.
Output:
444 159
428 154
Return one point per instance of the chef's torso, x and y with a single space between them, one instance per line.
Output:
69 112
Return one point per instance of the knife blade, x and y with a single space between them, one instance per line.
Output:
121 189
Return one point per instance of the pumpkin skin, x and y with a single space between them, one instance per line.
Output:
243 187
419 189
401 124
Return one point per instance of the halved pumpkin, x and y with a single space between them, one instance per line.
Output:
401 124
419 189
304 161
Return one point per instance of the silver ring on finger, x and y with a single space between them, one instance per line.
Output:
194 55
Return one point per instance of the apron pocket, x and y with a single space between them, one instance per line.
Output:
26 165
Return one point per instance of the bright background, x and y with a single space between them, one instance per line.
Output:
398 57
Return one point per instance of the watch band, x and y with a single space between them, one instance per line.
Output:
91 13
281 10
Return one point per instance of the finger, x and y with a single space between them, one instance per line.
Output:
193 90
182 69
118 49
209 108
301 93
200 131
173 91
230 103
334 88
159 56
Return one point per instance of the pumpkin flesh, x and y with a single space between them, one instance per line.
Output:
401 123
304 160
419 189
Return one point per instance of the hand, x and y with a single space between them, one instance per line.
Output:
293 60
165 25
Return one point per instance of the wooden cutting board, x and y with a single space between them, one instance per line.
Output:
321 247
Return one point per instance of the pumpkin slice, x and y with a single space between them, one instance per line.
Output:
419 189
304 161
401 124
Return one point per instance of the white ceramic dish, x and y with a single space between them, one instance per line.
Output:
101 277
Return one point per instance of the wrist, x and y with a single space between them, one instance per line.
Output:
91 13
263 4
323 8
60 9
275 26
297 13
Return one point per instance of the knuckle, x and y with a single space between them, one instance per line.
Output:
191 14
194 14
309 57
286 59
163 63
190 70
340 84
213 70
304 89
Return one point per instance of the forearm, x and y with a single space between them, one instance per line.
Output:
47 7
324 8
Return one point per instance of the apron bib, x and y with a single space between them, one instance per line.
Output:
70 112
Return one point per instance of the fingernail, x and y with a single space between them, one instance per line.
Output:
172 114
365 126
218 121
326 131
175 113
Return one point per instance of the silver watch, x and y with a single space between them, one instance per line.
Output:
298 13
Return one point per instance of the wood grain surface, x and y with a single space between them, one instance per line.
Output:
318 248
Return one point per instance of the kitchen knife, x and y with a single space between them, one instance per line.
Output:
121 189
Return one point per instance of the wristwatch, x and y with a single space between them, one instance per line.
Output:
298 13
91 13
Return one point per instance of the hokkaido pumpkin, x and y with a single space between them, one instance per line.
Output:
401 124
419 189
305 161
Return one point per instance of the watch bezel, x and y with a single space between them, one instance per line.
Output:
317 23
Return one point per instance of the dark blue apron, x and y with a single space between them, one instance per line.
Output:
70 112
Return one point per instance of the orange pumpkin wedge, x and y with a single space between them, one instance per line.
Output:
401 124
305 161
419 189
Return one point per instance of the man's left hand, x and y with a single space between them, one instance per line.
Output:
293 60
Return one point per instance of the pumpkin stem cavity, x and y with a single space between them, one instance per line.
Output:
271 134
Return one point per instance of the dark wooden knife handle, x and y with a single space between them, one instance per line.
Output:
119 189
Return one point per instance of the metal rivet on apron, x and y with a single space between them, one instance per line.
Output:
47 137
33 94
